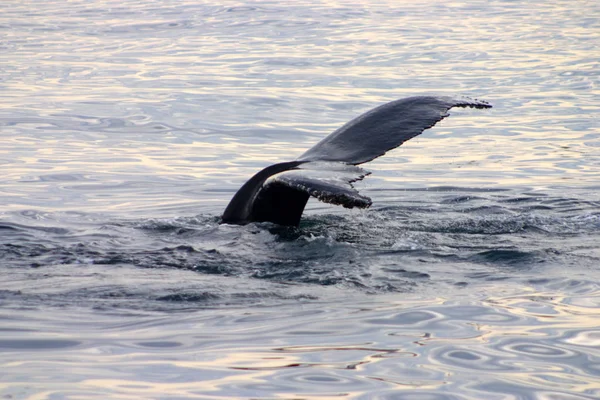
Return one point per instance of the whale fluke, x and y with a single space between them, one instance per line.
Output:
384 128
327 170
330 182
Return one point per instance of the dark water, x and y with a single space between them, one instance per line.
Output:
127 126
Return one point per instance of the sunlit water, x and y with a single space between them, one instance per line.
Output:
126 127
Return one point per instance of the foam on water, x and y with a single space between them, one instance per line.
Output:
447 238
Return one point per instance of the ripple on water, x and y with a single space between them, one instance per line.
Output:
394 348
437 244
145 116
37 345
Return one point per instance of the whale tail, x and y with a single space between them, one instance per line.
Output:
327 170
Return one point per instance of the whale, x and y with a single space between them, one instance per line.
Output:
327 171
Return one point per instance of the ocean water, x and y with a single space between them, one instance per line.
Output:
127 126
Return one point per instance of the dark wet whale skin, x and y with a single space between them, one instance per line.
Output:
364 138
244 208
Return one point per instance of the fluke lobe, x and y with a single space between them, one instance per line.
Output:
327 170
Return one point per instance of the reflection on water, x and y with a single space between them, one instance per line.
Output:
523 344
126 126
465 293
196 92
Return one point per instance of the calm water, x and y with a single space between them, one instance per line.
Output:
126 127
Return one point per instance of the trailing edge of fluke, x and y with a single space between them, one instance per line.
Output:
327 170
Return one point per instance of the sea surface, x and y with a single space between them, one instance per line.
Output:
127 126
